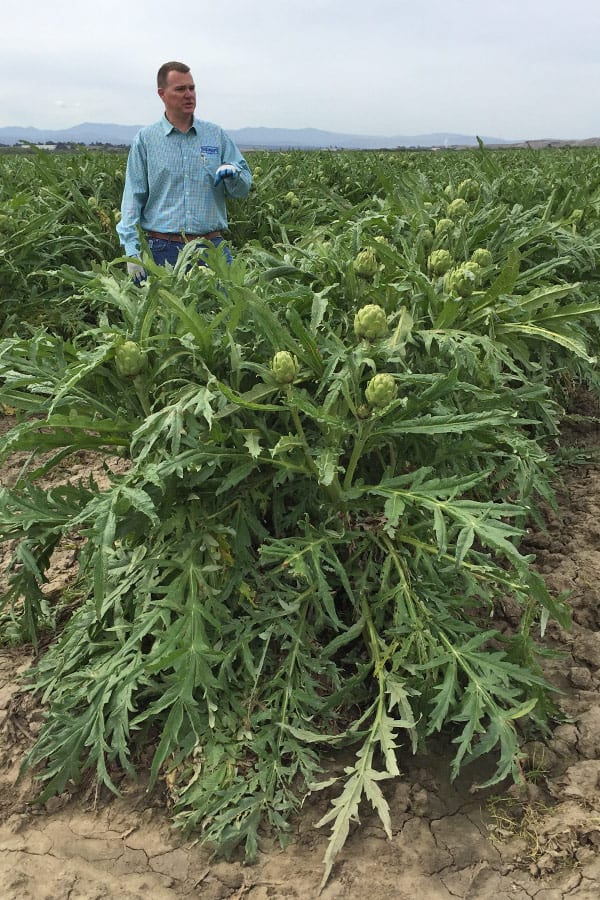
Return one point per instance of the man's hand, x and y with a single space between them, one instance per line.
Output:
137 272
227 170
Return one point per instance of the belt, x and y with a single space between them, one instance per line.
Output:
183 238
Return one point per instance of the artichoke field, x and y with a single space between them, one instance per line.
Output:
333 448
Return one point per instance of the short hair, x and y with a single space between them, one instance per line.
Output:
163 72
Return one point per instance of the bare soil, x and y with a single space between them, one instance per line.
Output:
448 840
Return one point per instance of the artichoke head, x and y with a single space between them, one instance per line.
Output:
468 189
443 226
482 257
130 359
426 235
381 390
439 261
370 322
457 208
365 263
284 367
464 279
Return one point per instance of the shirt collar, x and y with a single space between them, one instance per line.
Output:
168 128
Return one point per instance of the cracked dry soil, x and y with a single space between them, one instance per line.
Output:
448 841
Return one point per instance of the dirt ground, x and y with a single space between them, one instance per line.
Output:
448 841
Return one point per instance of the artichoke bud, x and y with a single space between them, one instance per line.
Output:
482 257
370 322
365 263
468 189
381 390
427 238
284 367
130 359
443 226
439 261
457 208
464 279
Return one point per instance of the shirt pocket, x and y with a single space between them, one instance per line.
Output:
210 159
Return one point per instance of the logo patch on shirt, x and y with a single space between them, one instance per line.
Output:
209 151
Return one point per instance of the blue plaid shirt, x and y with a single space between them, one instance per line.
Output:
169 181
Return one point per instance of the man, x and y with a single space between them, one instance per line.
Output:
179 173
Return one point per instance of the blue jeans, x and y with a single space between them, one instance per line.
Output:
168 251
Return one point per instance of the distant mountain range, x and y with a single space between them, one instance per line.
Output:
90 133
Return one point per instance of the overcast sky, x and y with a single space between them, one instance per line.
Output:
498 68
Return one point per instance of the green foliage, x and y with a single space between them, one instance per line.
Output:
324 475
54 210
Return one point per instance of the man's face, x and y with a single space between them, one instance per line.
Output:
179 96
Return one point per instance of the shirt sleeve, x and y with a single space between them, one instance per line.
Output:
135 195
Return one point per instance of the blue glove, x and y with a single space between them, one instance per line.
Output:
227 170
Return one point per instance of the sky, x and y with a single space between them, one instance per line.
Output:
510 69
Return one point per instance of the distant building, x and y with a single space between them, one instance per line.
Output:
49 146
